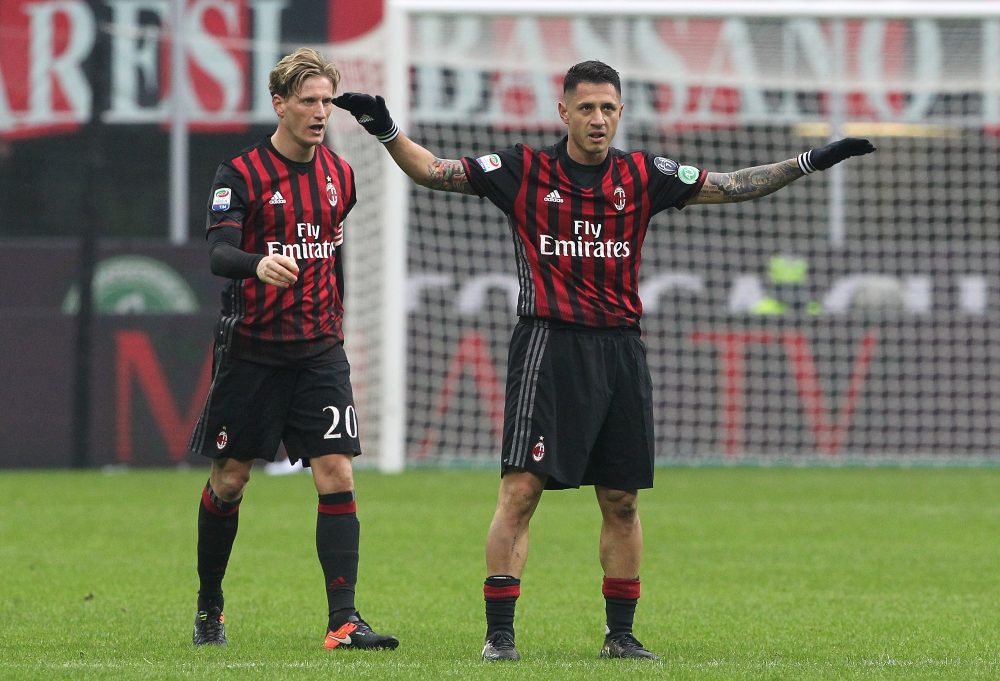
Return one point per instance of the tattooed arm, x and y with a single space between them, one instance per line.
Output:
752 183
747 183
426 169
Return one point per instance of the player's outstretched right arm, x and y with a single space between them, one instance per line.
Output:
421 165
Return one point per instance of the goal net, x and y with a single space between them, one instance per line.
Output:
850 317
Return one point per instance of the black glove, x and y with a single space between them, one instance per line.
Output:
371 113
833 153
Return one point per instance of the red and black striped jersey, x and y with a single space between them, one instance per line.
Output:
577 244
293 208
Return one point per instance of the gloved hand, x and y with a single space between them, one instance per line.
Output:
833 153
371 113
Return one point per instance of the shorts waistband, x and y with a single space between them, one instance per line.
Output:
557 325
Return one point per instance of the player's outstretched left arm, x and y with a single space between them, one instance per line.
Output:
421 165
753 183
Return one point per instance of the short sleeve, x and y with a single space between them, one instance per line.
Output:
672 185
228 203
497 176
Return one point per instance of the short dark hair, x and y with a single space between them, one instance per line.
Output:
591 72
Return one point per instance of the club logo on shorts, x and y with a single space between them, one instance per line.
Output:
619 198
222 439
538 451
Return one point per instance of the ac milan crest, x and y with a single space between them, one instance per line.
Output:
538 451
619 198
222 439
331 191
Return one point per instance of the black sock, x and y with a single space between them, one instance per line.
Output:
218 521
500 593
620 598
338 535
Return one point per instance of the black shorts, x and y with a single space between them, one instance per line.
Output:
252 407
579 406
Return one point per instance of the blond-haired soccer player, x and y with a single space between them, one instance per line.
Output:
275 230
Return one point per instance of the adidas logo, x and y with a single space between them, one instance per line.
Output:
365 118
553 197
277 198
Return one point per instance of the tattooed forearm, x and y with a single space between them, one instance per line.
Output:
448 175
748 183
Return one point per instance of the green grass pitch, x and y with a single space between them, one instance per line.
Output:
748 573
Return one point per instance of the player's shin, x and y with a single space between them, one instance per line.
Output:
338 534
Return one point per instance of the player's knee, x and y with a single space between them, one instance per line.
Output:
621 506
520 499
626 512
229 485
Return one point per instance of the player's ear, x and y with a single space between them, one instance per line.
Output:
563 113
279 105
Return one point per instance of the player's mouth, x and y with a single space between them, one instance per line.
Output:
597 137
317 129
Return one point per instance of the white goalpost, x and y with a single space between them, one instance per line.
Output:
886 350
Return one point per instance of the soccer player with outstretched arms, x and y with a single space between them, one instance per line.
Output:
578 397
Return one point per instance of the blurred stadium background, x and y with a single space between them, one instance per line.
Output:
851 318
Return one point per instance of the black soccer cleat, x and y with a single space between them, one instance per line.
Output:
209 628
500 646
355 634
625 646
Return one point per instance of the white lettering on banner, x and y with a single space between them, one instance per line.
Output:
927 68
711 71
65 69
137 93
746 291
215 61
532 94
990 51
135 50
6 117
649 42
473 296
857 292
417 284
652 288
430 82
266 53
973 292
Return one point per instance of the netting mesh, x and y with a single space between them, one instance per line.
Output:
882 346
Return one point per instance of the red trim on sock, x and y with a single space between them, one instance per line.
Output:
339 509
616 587
206 501
495 593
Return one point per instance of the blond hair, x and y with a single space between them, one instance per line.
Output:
287 75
